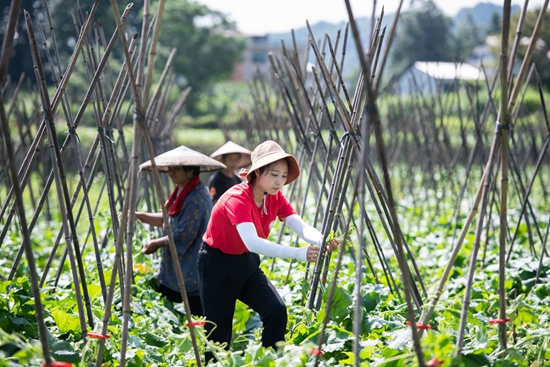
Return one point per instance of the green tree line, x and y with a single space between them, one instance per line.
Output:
426 34
207 43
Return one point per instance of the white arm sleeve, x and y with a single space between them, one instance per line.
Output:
305 231
261 246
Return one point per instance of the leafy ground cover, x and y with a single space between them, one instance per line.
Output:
158 335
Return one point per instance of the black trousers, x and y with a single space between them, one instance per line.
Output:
224 279
173 296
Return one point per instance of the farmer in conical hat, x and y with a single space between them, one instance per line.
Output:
234 157
189 208
229 261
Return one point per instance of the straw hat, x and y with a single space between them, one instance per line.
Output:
229 148
183 156
269 152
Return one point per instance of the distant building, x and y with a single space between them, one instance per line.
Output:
427 78
483 56
255 57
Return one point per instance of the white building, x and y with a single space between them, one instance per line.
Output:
255 57
426 77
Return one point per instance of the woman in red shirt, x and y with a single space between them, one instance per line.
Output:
229 261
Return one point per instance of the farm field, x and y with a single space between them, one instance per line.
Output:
157 335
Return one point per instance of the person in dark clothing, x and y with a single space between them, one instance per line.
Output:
234 157
229 261
189 208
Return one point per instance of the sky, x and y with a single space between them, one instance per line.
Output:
277 16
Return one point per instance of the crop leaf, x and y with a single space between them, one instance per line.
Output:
336 338
63 351
371 300
342 300
65 321
475 360
153 339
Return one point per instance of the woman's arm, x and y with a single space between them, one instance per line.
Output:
259 245
305 231
153 219
308 233
186 226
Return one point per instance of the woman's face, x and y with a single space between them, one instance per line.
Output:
178 175
274 177
232 160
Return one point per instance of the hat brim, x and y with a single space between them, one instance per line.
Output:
184 157
293 168
233 148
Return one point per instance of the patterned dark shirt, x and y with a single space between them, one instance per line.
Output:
187 228
220 183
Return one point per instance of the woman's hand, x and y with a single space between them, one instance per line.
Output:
332 245
152 246
312 253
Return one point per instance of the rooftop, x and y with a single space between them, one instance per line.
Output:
449 70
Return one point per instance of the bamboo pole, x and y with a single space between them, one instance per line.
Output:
103 42
153 51
63 151
528 55
5 53
24 171
68 223
60 232
495 146
527 192
483 195
358 309
338 104
537 167
128 205
504 177
332 291
517 38
130 202
374 118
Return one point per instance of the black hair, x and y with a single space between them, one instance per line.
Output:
261 171
195 169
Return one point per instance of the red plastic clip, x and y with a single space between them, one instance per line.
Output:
97 335
499 321
57 364
196 323
420 326
434 363
316 352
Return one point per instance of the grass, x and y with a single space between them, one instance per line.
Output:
205 141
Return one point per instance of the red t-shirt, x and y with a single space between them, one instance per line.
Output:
236 206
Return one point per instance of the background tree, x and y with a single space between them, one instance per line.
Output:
207 44
494 24
21 61
468 35
65 12
423 34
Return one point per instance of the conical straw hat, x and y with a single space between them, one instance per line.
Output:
229 148
183 156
